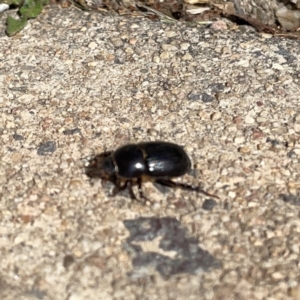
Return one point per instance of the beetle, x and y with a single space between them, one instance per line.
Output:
133 164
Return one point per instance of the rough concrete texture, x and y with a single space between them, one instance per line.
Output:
77 85
263 11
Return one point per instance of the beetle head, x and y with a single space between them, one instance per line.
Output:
101 166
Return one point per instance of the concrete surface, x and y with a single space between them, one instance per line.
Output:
77 85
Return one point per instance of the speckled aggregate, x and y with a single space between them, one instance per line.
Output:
75 86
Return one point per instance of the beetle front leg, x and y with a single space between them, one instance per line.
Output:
139 182
142 196
131 193
119 188
184 186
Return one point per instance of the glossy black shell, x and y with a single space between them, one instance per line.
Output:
154 159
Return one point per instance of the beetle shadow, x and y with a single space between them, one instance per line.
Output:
161 188
176 252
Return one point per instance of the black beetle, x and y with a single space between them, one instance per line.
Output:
132 164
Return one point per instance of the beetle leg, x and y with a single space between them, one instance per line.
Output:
119 188
129 184
142 196
184 186
139 182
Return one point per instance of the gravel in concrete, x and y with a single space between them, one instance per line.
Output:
77 85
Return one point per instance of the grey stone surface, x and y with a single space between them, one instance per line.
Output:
263 11
88 83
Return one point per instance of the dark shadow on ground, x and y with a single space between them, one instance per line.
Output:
186 256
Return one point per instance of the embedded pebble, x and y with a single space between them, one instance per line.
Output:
71 131
46 148
184 46
209 204
16 157
18 137
165 55
187 56
245 150
216 116
249 120
93 45
239 140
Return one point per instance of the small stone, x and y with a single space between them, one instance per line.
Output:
238 120
64 165
239 140
219 25
168 47
93 45
273 142
244 150
264 113
129 50
290 198
68 261
257 134
110 57
71 131
75 296
93 63
244 63
289 19
123 257
261 120
10 124
156 59
132 41
252 204
297 151
194 96
69 120
249 120
280 130
206 98
225 218
46 148
117 42
165 55
18 137
277 66
266 35
16 157
231 194
184 46
26 98
226 50
294 292
187 57
216 116
135 26
170 34
277 276
292 154
209 204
